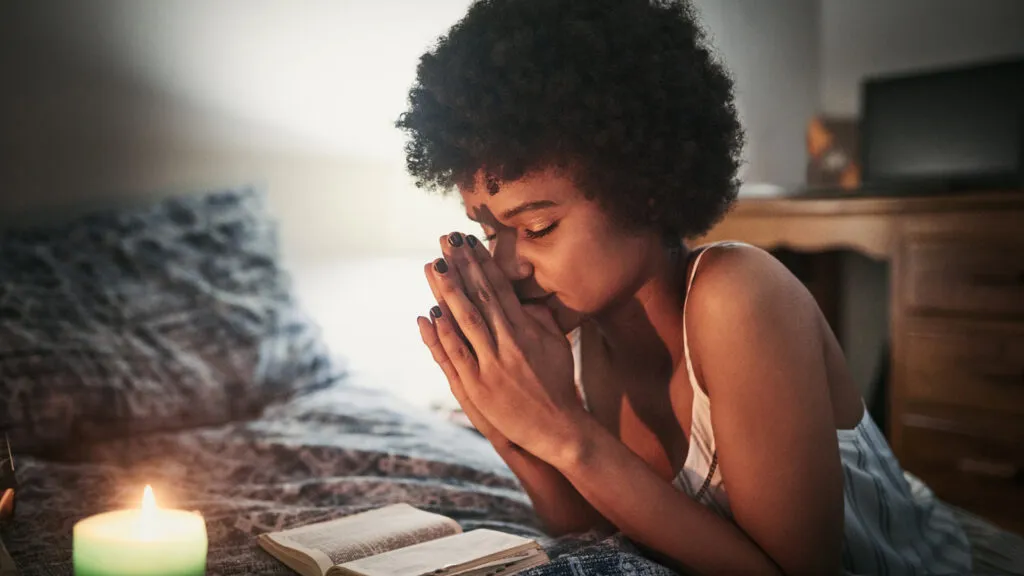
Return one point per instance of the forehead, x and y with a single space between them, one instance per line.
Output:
544 185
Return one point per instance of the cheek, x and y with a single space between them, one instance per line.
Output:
588 275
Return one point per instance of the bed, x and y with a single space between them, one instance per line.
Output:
336 451
165 345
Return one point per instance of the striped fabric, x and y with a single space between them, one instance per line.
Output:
889 528
893 523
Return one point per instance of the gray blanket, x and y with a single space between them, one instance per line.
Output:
330 453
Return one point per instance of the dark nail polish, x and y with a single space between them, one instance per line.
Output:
455 239
471 240
435 311
441 266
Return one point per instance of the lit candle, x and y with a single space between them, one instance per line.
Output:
147 541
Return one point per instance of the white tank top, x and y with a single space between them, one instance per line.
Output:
893 524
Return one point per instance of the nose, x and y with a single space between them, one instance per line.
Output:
512 264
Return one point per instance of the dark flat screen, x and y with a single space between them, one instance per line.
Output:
961 126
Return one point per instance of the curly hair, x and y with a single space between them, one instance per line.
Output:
623 93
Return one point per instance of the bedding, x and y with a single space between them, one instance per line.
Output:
163 316
335 451
163 345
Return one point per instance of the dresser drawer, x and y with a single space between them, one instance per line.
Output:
944 275
962 364
983 474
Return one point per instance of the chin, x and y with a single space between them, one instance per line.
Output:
566 319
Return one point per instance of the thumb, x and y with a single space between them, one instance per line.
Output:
542 314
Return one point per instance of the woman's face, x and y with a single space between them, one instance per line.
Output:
558 248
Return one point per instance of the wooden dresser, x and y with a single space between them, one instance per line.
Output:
956 396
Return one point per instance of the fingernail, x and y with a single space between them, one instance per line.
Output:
455 239
440 265
435 311
471 240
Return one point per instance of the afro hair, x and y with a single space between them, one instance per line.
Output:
624 94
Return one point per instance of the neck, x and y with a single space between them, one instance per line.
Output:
646 331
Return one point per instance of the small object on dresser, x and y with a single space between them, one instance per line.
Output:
832 153
400 540
146 541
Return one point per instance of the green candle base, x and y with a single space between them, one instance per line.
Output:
120 543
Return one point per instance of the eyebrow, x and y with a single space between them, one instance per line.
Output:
524 207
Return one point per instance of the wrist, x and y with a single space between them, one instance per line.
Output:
576 444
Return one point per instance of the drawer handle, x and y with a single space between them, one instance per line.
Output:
1000 470
999 280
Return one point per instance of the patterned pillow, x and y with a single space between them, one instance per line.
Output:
147 319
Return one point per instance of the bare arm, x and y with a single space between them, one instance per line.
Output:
561 508
760 356
761 361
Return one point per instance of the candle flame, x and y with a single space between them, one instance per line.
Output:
147 517
148 500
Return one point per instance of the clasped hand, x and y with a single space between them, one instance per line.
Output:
508 365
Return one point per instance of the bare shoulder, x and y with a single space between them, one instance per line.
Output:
755 334
739 278
742 298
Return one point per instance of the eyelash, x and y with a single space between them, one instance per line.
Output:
530 234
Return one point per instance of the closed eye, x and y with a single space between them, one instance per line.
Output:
534 234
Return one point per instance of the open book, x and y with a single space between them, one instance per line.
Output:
400 540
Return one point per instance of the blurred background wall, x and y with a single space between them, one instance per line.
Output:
106 102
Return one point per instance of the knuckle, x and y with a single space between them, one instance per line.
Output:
464 353
475 319
484 295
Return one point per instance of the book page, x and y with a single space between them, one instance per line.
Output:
367 533
451 554
507 567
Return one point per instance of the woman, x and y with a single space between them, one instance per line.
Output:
700 403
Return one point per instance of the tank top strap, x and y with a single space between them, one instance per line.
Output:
698 392
577 365
575 337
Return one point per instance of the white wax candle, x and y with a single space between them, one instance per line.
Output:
150 541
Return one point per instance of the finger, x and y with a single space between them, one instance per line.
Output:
456 256
503 290
544 317
465 315
428 332
476 286
428 271
430 281
429 335
449 254
464 360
